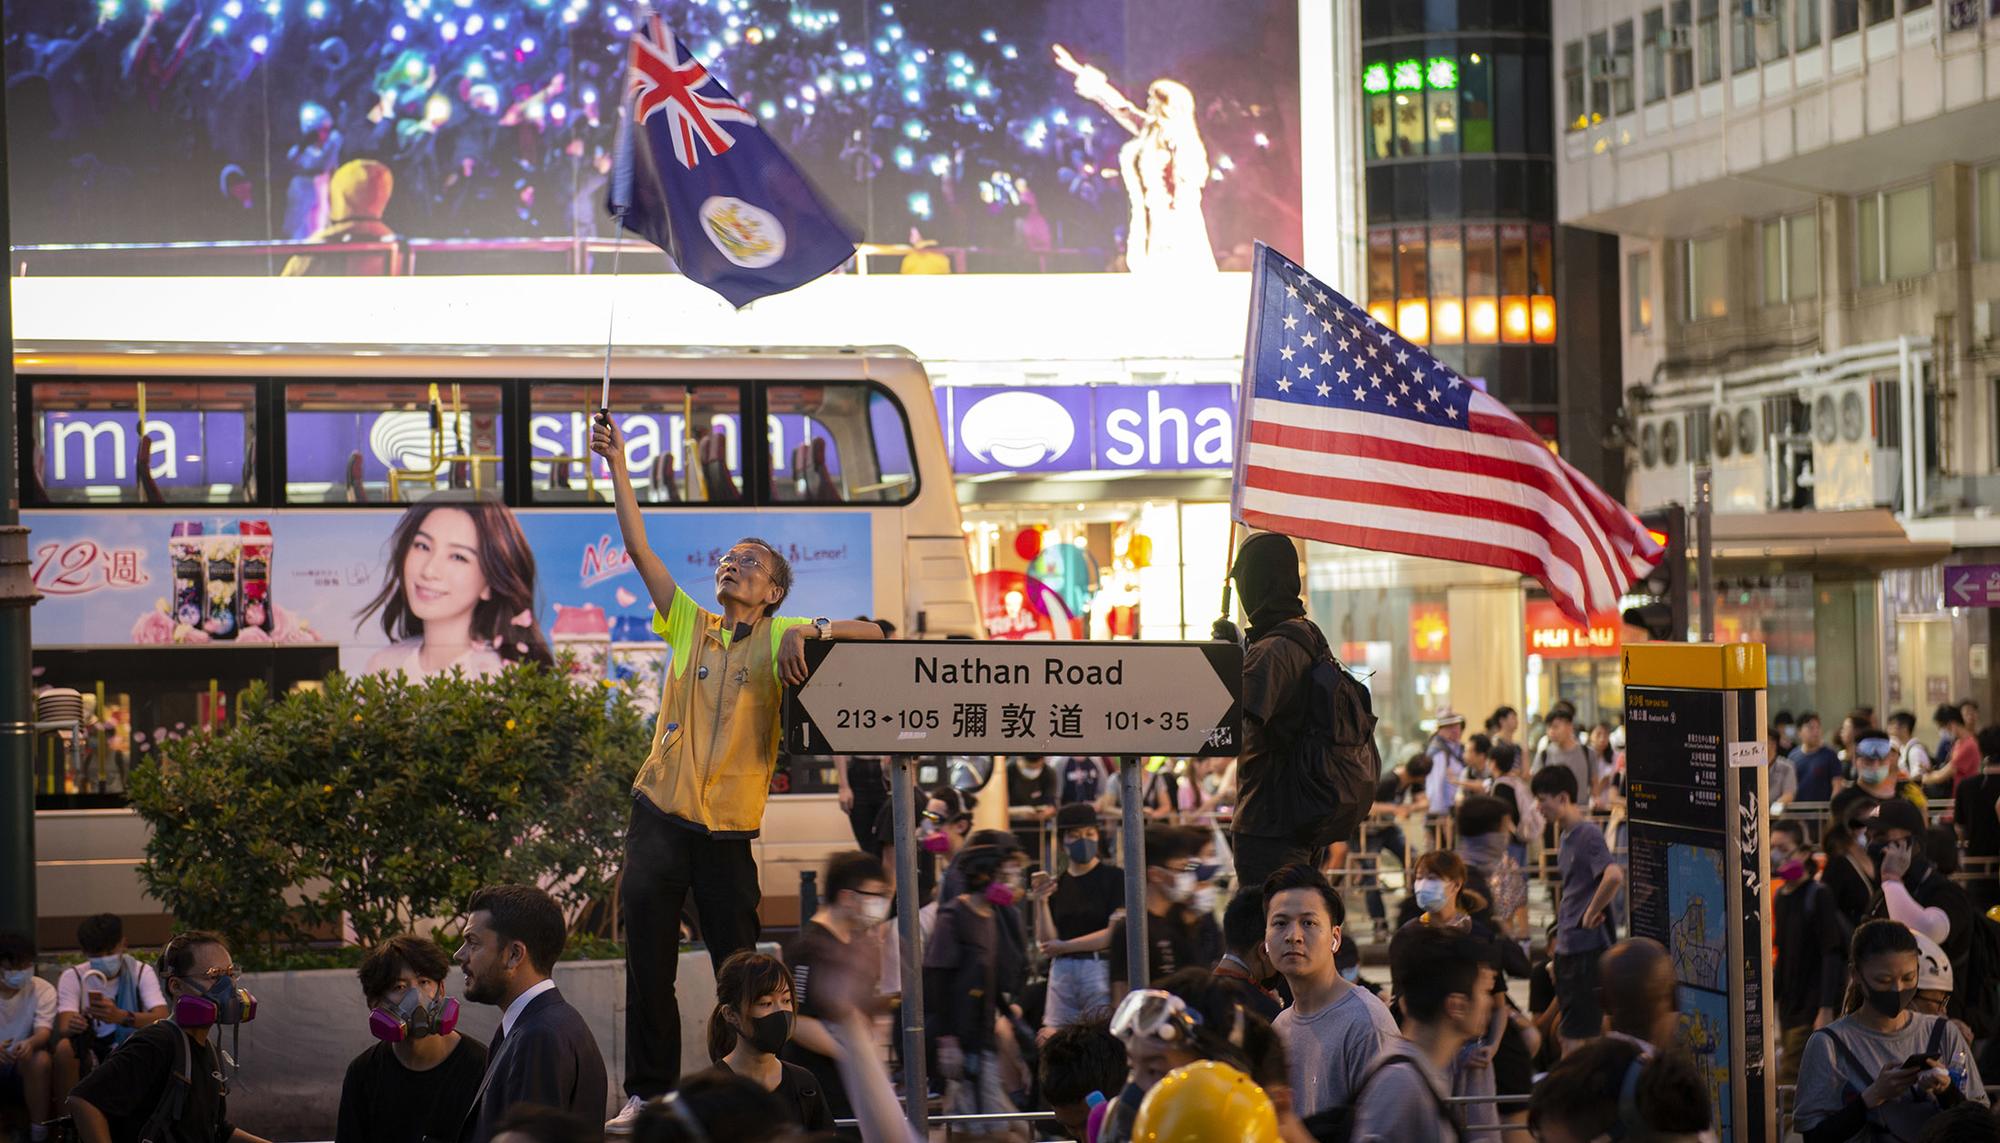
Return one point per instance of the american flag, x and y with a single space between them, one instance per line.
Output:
1353 436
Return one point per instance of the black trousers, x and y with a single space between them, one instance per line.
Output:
664 863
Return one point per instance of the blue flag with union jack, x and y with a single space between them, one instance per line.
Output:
701 180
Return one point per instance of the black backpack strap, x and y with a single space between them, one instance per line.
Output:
172 1108
1843 1054
1445 1109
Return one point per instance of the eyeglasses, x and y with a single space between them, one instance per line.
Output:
748 563
215 974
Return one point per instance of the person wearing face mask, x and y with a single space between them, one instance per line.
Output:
27 1020
173 1058
418 1082
1882 1070
1177 936
855 905
1847 870
967 962
102 1001
1448 897
1032 787
751 1025
1811 942
1913 891
1073 923
1878 769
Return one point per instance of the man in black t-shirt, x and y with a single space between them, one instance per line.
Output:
1074 922
419 1084
857 900
113 1102
1400 791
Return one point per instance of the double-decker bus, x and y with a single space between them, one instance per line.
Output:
206 516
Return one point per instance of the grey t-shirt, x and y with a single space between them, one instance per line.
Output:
1826 1077
1404 1101
1581 861
1331 1049
1578 761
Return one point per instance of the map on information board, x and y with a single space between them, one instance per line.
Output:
1699 914
1705 1034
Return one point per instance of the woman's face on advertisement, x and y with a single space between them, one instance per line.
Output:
441 576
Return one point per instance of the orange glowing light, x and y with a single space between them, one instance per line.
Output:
1382 312
1413 320
1485 314
1514 318
1448 320
1542 317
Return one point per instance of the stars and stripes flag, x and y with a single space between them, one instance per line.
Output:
1351 435
697 176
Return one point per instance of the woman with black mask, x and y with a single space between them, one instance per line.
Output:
1882 1070
751 1023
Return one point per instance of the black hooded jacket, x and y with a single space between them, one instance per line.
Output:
1274 670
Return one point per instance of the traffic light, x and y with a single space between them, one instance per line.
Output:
1664 614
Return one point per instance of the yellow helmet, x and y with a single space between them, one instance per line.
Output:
1993 914
1206 1102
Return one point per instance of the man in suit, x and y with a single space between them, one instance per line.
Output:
543 1053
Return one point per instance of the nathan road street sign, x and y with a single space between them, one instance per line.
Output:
959 696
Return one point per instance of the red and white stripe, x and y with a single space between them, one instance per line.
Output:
1491 494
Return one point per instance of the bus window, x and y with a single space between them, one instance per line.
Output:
663 425
838 444
143 442
354 441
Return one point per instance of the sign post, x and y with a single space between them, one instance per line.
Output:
1696 788
957 696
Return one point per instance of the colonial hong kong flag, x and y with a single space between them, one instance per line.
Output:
1351 435
701 180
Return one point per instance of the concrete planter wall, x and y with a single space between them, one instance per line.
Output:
309 1025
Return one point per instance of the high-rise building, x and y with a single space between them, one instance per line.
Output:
1807 204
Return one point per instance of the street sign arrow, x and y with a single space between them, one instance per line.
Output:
1009 697
1972 585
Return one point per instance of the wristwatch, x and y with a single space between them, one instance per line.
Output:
824 626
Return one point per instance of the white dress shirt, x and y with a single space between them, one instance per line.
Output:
514 1010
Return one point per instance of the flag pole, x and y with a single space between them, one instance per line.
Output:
1228 561
611 319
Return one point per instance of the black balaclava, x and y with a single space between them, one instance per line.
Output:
1267 581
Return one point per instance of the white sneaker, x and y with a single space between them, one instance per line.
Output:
627 1117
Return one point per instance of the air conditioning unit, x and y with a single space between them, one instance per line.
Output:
1856 445
1985 320
1611 67
1678 38
1742 458
1661 476
1761 11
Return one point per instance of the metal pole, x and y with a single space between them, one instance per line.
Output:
1704 496
902 804
17 595
1132 784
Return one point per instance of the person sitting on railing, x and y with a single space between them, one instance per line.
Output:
359 194
1878 770
1917 893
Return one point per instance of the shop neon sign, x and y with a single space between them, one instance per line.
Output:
1439 73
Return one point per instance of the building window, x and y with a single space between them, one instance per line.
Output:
1881 11
1482 286
1447 285
1621 68
1639 291
1515 282
1707 282
1475 104
1758 28
1574 110
1681 46
1409 123
1654 33
1894 232
1742 36
1708 37
1846 17
1807 24
1600 76
1988 194
1791 258
1441 103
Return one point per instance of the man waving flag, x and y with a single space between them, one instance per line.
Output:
1351 435
701 180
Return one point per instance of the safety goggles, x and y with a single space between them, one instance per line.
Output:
1154 1013
1874 749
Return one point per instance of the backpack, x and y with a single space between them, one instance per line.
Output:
1321 775
163 1125
1336 1124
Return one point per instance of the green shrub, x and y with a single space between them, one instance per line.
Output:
378 803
